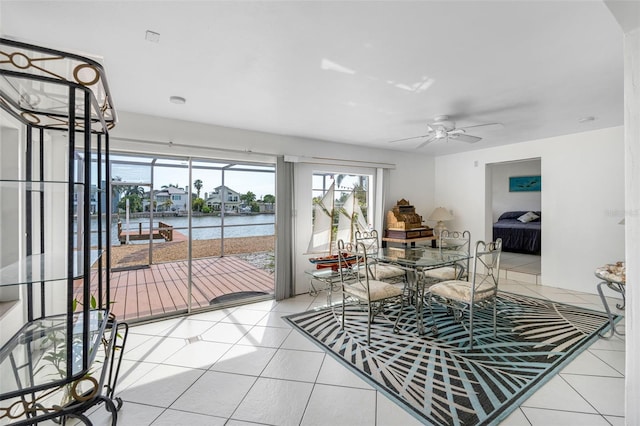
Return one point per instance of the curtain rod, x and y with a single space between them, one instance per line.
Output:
337 161
287 158
170 144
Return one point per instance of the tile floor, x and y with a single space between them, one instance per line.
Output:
246 366
521 267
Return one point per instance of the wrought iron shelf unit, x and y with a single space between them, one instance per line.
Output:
64 350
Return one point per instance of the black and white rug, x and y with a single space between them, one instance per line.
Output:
436 378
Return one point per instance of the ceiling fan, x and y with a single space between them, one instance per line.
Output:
443 128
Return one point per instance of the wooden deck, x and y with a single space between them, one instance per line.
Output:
163 288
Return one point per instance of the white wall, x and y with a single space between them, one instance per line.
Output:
12 310
9 199
410 177
582 200
503 200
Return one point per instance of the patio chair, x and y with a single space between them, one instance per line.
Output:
459 241
469 296
379 271
361 287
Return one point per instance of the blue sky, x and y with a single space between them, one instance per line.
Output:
166 172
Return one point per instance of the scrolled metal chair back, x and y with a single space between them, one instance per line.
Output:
370 241
487 258
463 239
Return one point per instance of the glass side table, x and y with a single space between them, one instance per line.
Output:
323 279
613 276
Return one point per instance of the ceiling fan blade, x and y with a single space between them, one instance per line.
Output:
407 139
482 125
428 141
466 138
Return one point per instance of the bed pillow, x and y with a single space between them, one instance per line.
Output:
528 217
511 215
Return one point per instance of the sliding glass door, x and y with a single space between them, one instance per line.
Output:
205 234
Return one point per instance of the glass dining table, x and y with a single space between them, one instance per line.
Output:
416 260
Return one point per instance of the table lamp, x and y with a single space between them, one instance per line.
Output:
440 215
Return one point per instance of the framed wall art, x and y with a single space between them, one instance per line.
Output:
525 183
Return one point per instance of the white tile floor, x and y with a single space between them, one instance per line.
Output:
521 267
246 366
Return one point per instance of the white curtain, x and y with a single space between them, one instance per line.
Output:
284 229
382 188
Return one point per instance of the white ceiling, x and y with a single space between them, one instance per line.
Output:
357 72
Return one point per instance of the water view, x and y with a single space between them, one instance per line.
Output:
203 227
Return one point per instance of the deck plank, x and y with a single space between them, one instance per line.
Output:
162 288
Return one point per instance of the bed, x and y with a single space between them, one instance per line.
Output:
518 236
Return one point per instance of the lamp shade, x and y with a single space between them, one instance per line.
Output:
440 214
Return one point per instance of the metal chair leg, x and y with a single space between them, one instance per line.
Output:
612 324
471 327
396 329
369 321
495 313
624 297
343 311
434 327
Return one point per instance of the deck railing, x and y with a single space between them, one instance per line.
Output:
164 231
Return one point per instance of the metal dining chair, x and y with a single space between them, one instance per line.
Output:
479 292
379 271
361 287
459 241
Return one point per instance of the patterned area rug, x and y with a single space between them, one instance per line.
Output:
440 382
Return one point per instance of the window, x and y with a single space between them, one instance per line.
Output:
349 206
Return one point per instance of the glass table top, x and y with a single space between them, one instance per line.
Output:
421 257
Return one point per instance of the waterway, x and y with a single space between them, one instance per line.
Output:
203 227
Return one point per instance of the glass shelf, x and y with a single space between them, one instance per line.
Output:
55 192
54 188
44 267
32 185
35 357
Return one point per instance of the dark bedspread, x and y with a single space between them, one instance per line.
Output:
517 236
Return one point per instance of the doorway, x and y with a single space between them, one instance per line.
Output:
518 262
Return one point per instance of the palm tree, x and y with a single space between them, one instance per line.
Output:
134 190
248 198
198 185
270 199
